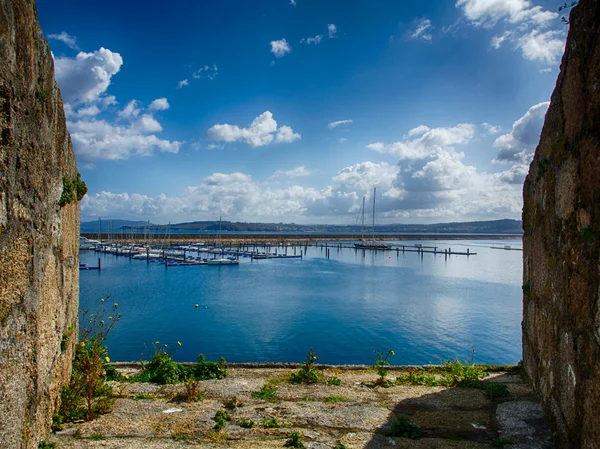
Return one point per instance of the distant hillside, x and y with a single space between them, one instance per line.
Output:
472 227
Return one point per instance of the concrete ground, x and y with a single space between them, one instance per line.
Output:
356 414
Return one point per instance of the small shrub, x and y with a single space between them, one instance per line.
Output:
380 364
308 374
67 194
266 392
270 423
233 403
418 378
64 342
96 437
295 440
192 393
46 445
405 428
180 437
80 187
216 436
333 381
43 94
204 370
339 446
463 374
247 423
335 399
221 418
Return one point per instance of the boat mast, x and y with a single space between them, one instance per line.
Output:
362 225
374 193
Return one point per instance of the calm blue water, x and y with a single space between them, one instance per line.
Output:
345 307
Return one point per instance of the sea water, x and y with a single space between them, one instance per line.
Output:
424 307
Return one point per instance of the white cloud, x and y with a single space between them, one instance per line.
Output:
207 72
262 131
545 47
293 2
338 123
331 30
525 25
148 124
420 31
183 83
280 48
423 142
312 40
491 128
130 110
293 173
88 112
160 104
87 76
68 40
518 145
343 139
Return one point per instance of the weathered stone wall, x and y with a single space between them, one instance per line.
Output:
561 219
39 276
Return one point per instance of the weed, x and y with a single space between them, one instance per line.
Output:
404 427
247 423
192 392
180 437
204 370
295 440
270 423
333 381
96 437
221 418
143 397
418 378
308 374
43 94
380 365
306 399
216 435
266 392
87 393
463 374
64 342
339 446
335 399
233 403
67 194
46 445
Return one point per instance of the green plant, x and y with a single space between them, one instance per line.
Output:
266 392
495 390
180 437
46 445
246 423
403 427
463 374
308 373
64 342
335 399
380 365
270 423
333 381
96 436
233 403
339 446
72 189
192 393
80 187
87 394
418 378
216 435
502 441
43 94
221 418
295 440
204 370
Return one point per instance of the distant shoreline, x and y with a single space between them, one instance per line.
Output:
295 237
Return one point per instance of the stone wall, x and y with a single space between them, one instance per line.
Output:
39 276
561 219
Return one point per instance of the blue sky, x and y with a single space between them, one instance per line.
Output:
292 111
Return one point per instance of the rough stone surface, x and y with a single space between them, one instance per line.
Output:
357 414
39 274
561 220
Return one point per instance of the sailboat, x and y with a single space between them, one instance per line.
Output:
370 244
221 260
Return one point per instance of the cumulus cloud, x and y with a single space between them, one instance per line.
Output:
338 123
421 30
160 104
518 145
293 173
331 30
280 48
130 110
423 142
262 131
65 38
87 76
491 128
524 23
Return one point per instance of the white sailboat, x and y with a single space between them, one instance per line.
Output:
370 244
221 260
